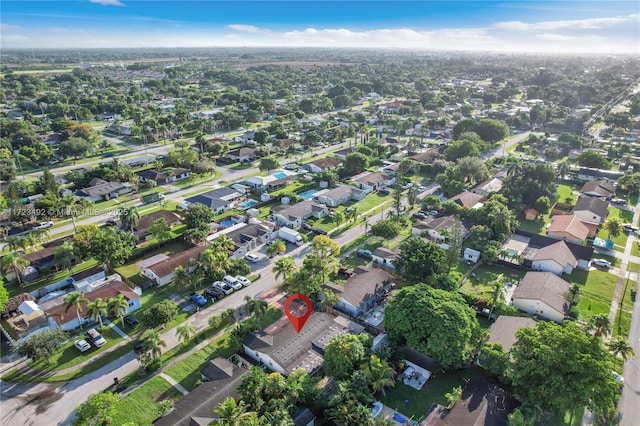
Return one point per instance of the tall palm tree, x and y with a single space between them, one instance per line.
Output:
130 217
41 235
65 255
11 242
613 227
232 414
574 294
514 166
620 346
97 309
223 242
14 262
153 343
284 267
185 331
498 291
75 299
599 324
181 277
119 306
74 206
257 308
379 374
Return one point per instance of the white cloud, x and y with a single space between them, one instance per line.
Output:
579 24
248 28
16 37
8 27
108 2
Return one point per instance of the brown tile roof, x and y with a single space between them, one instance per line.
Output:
13 303
546 287
146 220
373 178
503 331
571 224
167 266
104 292
467 199
326 162
364 282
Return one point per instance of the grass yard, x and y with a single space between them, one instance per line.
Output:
622 324
372 200
15 290
633 267
534 226
479 282
415 404
460 270
597 291
566 192
142 406
635 250
624 216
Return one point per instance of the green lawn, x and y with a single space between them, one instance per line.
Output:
633 267
622 324
480 281
533 226
635 250
597 291
415 404
459 271
132 269
623 216
566 191
14 289
142 406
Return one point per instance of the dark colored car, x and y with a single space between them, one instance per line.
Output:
138 347
343 270
419 216
131 321
111 223
214 293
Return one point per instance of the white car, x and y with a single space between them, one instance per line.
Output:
224 287
96 338
243 280
43 225
601 263
252 257
232 281
82 345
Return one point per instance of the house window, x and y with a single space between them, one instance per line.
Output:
131 304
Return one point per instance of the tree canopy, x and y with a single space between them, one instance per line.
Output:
344 354
419 259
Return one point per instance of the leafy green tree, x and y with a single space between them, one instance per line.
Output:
4 294
543 205
119 306
613 228
257 308
97 309
461 149
160 229
97 410
419 259
453 396
580 368
197 218
355 163
232 414
42 345
74 147
386 228
494 359
153 343
591 158
47 183
498 291
435 322
111 247
185 331
13 262
344 354
130 217
160 313
65 255
268 163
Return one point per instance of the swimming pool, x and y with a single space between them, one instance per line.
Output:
281 175
307 195
227 223
247 204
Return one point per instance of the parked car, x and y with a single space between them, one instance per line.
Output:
131 321
224 287
419 216
383 192
111 223
629 227
603 263
138 347
252 257
214 293
198 299
243 280
232 281
365 253
96 338
343 270
82 345
619 201
43 225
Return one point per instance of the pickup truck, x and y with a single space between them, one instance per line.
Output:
198 299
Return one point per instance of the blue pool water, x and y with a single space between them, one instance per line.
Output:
247 204
307 195
281 175
227 223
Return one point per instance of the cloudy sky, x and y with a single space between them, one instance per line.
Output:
510 26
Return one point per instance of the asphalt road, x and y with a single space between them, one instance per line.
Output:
629 405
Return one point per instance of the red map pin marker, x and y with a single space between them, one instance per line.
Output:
299 315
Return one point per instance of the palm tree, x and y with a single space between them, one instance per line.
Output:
65 255
599 324
574 294
181 277
379 374
223 242
514 166
130 217
498 291
153 343
75 299
563 169
119 305
613 227
74 206
13 262
257 308
279 246
271 251
620 346
97 309
338 217
41 235
232 414
284 267
185 331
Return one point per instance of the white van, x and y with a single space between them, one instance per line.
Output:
96 338
232 281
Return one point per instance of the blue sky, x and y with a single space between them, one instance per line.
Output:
511 26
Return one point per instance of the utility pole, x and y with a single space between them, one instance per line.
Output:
17 154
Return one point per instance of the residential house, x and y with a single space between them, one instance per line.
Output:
60 180
504 330
52 139
488 187
247 237
109 116
340 195
342 153
243 154
280 348
221 379
161 273
439 228
140 161
426 157
468 199
275 180
292 215
11 307
44 258
587 174
362 290
572 228
321 165
372 181
218 200
68 319
592 209
144 224
385 257
598 188
27 319
119 129
147 176
100 190
527 246
530 214
543 294
555 258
